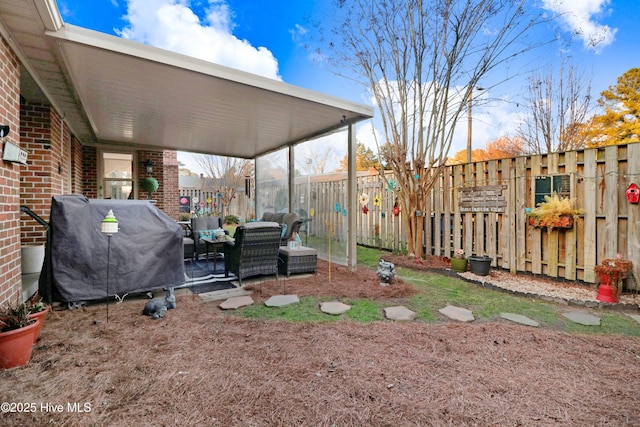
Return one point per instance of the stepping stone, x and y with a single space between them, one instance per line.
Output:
334 307
635 317
519 318
400 313
236 302
582 318
457 313
281 300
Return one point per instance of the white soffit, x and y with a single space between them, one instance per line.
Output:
134 94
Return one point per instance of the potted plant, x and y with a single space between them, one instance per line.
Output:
16 335
611 274
480 265
459 262
149 184
554 212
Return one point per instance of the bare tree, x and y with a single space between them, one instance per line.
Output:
228 174
421 60
317 162
556 105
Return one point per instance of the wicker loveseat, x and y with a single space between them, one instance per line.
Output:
290 223
254 250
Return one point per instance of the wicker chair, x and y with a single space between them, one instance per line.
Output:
199 224
254 251
292 221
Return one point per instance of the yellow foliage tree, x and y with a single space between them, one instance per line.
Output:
620 122
500 148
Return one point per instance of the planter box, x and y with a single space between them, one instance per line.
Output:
565 221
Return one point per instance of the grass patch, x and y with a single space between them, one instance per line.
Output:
305 311
436 291
365 311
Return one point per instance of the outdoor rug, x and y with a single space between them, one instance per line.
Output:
201 278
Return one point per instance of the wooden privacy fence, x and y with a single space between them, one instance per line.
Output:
209 202
481 207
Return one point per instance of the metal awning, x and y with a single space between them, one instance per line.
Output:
114 91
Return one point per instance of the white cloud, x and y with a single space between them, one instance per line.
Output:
173 25
580 18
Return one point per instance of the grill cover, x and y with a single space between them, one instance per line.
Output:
145 254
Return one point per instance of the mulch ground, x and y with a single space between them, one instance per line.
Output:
202 366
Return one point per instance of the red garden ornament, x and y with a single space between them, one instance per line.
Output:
633 193
396 209
365 209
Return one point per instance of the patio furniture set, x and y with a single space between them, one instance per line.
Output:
256 248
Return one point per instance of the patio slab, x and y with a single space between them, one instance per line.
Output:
457 313
334 307
282 300
582 318
399 313
236 302
519 318
635 317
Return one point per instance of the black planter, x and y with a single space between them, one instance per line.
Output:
480 265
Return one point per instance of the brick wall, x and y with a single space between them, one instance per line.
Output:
171 191
10 270
77 177
89 172
165 170
44 135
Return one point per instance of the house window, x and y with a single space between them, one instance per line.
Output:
546 185
117 175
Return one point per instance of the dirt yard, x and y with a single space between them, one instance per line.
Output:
201 366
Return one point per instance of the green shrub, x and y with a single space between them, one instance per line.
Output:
231 219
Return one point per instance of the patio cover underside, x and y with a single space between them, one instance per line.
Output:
114 91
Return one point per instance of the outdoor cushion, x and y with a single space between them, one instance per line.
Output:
260 224
209 234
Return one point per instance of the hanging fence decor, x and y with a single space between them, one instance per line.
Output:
364 200
377 201
338 207
396 208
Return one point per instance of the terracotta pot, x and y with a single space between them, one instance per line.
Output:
39 316
459 264
16 346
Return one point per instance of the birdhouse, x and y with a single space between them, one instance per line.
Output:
633 193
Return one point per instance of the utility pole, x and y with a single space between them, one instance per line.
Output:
470 124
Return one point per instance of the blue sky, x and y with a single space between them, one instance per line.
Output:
267 37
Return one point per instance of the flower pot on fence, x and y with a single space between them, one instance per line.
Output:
480 265
459 264
16 346
564 221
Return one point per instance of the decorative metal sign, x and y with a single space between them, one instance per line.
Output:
487 198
